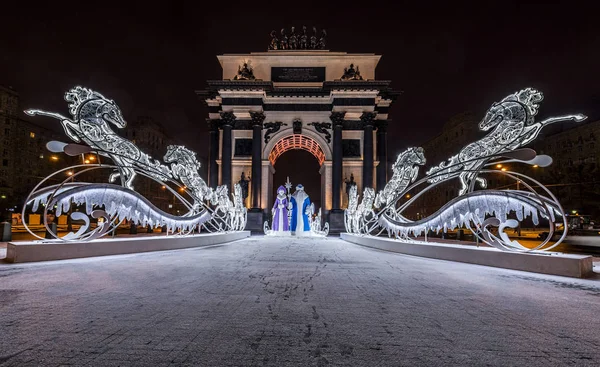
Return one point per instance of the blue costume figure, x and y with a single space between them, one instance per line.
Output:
300 203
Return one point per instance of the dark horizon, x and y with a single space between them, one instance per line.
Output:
446 60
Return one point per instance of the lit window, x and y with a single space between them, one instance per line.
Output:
41 156
31 134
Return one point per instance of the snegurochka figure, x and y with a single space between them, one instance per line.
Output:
280 212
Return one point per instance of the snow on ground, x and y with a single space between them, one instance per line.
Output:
293 301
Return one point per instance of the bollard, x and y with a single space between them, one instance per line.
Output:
5 232
149 229
52 229
132 228
460 235
163 229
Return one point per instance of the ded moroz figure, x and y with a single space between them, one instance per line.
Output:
300 206
280 212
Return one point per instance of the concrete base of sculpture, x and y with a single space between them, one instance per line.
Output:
578 266
255 221
19 252
336 222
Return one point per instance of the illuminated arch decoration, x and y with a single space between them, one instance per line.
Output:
297 141
511 125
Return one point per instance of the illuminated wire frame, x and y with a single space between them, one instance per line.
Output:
511 125
90 125
297 141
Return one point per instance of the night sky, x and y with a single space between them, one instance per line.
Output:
151 59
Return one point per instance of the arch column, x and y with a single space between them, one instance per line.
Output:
213 153
367 120
337 119
381 177
227 122
257 126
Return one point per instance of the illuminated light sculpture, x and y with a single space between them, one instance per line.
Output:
112 204
513 123
513 120
92 115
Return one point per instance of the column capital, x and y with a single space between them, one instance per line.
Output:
337 119
227 118
257 118
368 118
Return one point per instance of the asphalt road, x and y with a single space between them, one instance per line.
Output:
273 302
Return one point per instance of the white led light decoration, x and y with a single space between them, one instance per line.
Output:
92 116
514 126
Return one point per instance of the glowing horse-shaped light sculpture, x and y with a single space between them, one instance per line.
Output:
406 170
184 167
92 115
514 126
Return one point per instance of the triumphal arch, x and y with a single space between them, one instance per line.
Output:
300 96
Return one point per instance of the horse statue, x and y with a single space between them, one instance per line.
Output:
185 167
237 212
364 213
406 170
349 213
514 126
92 115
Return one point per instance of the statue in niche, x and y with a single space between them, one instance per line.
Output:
245 73
304 39
297 126
322 41
313 39
351 73
244 185
283 43
274 45
293 40
349 184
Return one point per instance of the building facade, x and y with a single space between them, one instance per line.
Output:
328 103
24 159
574 176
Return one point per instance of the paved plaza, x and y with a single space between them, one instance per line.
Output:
292 302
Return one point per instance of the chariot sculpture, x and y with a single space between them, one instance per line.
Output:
485 212
90 127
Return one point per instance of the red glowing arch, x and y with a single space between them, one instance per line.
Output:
296 141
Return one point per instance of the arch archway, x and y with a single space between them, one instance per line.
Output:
302 167
296 141
309 142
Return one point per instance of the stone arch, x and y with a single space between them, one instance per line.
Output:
309 140
296 141
268 149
